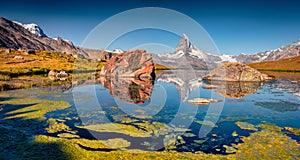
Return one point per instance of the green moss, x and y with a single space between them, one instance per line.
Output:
282 106
189 135
246 126
68 135
270 127
229 149
206 123
141 129
56 126
268 145
295 131
74 151
37 108
118 128
234 134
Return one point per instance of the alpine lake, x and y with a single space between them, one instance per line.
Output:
252 120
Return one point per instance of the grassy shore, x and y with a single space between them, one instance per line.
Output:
284 65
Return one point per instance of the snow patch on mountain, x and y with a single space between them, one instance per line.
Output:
33 28
117 51
228 58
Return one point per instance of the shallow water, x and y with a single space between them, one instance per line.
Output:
192 127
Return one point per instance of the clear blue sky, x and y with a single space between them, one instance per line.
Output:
235 26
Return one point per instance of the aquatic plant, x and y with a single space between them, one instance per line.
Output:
68 135
268 145
270 127
118 128
206 123
55 126
35 108
295 131
246 126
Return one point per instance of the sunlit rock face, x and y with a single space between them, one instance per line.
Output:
131 90
134 64
235 72
236 89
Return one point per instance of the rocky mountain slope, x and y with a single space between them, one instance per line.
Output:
31 37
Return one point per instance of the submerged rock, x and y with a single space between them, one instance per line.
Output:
209 87
202 101
134 64
234 71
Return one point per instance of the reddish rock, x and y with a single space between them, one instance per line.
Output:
134 64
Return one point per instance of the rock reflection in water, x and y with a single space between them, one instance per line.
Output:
236 89
131 90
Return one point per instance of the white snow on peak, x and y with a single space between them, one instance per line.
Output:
185 37
227 58
33 28
117 51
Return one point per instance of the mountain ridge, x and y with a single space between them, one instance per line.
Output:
196 58
16 36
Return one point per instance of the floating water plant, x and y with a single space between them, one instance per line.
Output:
246 126
35 108
56 126
268 145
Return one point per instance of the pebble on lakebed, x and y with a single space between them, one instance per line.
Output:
209 87
202 101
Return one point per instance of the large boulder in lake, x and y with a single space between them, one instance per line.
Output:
236 72
134 64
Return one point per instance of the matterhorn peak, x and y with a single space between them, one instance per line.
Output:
184 43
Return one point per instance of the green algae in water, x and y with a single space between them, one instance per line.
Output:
206 123
98 144
229 149
269 126
189 135
118 128
37 108
68 135
246 126
268 145
234 134
282 106
56 126
295 131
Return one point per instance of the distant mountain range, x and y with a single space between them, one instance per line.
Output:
187 54
31 37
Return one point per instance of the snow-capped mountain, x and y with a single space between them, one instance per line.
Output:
31 37
187 55
33 28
